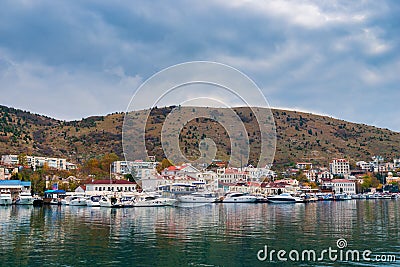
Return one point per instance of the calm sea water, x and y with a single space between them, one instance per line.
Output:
206 235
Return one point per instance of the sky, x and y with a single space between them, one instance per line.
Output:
74 59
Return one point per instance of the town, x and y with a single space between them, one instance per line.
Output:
339 181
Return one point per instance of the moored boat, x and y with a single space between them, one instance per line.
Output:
110 202
5 198
77 201
152 201
25 198
285 198
198 197
93 201
238 197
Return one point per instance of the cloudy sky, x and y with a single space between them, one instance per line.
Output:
73 59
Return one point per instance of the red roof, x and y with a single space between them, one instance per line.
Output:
112 182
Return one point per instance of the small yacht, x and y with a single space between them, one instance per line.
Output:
93 201
198 197
285 198
342 196
110 202
77 201
152 201
25 198
5 197
239 197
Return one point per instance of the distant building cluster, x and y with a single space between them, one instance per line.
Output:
338 177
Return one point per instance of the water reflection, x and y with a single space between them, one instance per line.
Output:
216 234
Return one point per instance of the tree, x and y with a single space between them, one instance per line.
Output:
369 181
38 183
165 163
129 177
107 160
22 159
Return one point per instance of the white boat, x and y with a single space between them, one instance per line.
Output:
66 200
93 201
239 197
110 202
77 201
25 198
198 197
5 198
152 201
285 198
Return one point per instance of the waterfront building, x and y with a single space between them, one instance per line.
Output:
340 167
15 186
341 186
106 186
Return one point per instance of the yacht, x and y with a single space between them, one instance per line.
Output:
198 197
285 198
239 197
152 201
5 198
342 196
25 198
110 202
77 201
93 201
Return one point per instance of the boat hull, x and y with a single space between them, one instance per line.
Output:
240 200
196 199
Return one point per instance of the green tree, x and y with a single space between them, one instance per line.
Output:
38 183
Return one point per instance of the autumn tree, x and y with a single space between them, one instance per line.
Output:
165 163
23 159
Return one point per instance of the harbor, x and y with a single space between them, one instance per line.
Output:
215 234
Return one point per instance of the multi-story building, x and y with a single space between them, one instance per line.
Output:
362 165
232 175
104 186
340 167
396 164
139 169
304 165
35 162
344 186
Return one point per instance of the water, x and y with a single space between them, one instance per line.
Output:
206 235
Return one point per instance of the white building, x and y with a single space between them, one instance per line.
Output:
35 162
344 186
340 167
259 174
183 170
396 164
139 169
324 175
304 165
232 175
105 186
363 165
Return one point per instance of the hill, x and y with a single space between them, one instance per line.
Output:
300 136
